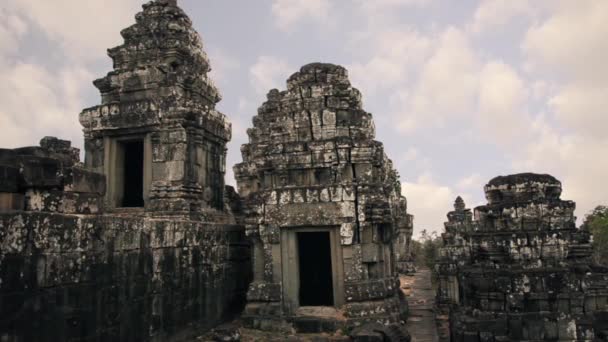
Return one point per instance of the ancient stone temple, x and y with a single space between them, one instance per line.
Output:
323 208
143 242
157 134
521 270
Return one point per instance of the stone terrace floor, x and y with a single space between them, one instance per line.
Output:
421 323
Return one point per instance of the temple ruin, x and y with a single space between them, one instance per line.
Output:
518 269
143 242
157 134
323 208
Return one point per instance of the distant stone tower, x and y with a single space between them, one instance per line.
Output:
157 135
521 271
456 252
324 208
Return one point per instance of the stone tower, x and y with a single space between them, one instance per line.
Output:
455 252
157 135
152 256
323 207
522 270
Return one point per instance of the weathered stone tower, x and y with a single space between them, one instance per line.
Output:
157 134
455 252
159 251
521 271
323 207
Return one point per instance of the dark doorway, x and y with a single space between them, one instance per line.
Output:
133 195
316 286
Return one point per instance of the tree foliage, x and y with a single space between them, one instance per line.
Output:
426 249
597 223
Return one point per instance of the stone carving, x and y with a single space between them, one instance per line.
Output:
159 93
312 166
521 270
143 242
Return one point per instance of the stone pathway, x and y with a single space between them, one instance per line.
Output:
421 298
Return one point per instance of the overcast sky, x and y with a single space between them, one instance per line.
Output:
461 91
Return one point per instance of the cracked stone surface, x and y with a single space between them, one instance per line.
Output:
421 322
519 269
74 265
159 90
312 161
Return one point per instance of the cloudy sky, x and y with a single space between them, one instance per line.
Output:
461 91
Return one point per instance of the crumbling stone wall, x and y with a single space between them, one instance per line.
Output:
521 270
74 265
70 272
312 162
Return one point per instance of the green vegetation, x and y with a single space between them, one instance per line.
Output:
426 249
597 223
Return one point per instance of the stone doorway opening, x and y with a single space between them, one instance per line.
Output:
311 263
315 267
133 185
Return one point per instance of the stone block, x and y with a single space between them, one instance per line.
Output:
7 156
40 172
264 292
9 179
63 202
11 202
371 252
550 330
470 336
84 181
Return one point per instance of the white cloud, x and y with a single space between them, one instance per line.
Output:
472 182
84 29
572 41
411 154
495 14
447 86
269 72
35 102
548 119
571 143
429 202
454 84
541 90
380 71
412 159
12 27
579 161
222 64
289 12
382 5
39 99
503 116
501 89
582 108
396 54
